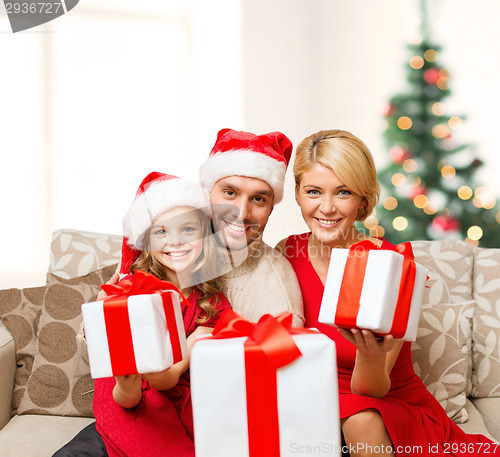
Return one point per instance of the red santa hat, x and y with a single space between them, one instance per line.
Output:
265 157
157 193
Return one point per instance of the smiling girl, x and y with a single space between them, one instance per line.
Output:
167 233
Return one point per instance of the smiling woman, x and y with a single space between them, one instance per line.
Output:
336 184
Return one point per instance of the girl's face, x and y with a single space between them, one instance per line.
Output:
176 239
328 206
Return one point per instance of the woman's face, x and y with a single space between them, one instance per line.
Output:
176 238
328 206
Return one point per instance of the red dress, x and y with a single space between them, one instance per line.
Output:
162 423
416 422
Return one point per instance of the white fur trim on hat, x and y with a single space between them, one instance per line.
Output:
160 196
244 163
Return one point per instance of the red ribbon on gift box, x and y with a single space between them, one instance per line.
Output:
352 284
269 346
116 318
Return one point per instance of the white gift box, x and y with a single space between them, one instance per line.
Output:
307 398
379 294
154 347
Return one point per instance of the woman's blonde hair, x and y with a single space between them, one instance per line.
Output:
204 267
348 157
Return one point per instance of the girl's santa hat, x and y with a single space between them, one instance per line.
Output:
157 193
264 157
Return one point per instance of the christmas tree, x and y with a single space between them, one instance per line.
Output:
428 189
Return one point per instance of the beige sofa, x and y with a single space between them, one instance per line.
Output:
46 398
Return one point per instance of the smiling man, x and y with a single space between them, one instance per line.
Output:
245 174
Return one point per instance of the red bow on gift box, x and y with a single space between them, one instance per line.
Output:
141 283
120 343
269 346
352 284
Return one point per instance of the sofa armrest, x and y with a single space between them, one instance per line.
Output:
7 372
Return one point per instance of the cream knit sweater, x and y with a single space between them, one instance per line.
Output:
265 283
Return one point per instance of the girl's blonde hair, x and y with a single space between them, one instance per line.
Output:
348 157
204 267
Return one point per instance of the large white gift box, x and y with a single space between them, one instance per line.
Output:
134 334
376 289
298 402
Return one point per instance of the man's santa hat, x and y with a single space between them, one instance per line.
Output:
157 193
265 157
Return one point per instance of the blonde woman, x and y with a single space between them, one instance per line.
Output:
385 409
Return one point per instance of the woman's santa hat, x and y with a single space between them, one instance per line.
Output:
157 193
264 157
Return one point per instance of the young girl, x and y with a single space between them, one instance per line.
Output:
167 234
384 406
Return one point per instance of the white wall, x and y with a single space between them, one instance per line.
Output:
321 64
93 101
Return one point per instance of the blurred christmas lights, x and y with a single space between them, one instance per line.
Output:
416 62
398 179
400 223
404 123
390 203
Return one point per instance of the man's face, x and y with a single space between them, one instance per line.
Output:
241 208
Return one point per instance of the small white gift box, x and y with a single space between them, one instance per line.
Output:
134 334
376 289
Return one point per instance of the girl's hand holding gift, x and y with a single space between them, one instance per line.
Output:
127 391
113 280
166 379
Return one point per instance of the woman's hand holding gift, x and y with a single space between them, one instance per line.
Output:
375 358
367 343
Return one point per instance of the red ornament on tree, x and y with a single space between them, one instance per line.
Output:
390 109
417 190
444 223
399 154
431 76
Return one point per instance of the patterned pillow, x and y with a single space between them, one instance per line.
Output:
20 311
485 337
441 354
449 266
75 253
60 382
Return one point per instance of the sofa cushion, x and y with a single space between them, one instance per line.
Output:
449 265
450 270
60 382
20 311
75 253
441 354
36 436
486 333
476 425
490 410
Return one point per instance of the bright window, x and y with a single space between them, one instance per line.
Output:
94 100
